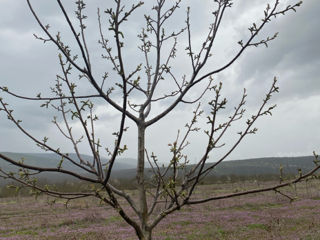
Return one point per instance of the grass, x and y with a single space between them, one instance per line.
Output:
255 206
258 226
254 217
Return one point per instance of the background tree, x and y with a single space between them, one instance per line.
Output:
171 187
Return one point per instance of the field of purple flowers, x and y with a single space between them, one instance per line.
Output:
261 216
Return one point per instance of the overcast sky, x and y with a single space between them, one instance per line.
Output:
27 67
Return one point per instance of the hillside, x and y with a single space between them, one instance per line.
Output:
51 160
124 168
262 166
247 167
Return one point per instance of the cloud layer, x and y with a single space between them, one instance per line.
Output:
29 66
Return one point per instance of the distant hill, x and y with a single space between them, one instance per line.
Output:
270 165
52 160
247 167
124 168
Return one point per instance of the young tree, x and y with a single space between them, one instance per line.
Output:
170 188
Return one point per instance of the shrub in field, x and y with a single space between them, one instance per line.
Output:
142 92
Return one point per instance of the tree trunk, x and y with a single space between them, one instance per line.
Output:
147 235
143 207
144 234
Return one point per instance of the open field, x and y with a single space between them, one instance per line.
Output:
261 216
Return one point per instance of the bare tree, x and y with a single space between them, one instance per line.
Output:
171 187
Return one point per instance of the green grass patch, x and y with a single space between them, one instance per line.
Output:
113 219
21 233
184 223
258 226
310 237
253 207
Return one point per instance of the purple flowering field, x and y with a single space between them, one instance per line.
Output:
260 216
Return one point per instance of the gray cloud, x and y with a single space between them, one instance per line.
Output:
294 56
28 67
